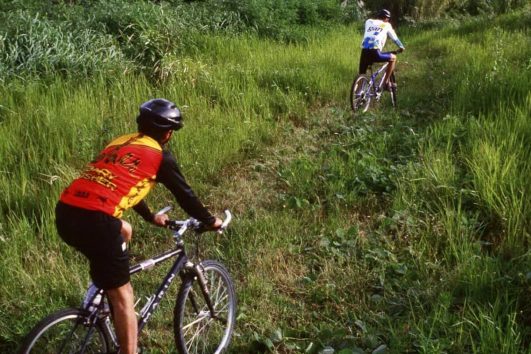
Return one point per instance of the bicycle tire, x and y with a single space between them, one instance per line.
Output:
55 332
195 331
360 97
393 91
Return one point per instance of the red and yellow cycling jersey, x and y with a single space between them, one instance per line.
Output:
120 177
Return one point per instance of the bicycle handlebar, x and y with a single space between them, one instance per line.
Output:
180 226
163 210
395 52
226 222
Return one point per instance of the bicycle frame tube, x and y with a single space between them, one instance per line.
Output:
149 263
87 337
155 299
378 72
67 338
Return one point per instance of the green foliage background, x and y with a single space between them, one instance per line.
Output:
405 231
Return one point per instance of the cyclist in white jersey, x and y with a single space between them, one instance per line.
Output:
376 32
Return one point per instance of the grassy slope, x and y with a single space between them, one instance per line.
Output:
408 230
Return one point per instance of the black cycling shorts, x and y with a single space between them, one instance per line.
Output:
97 236
369 56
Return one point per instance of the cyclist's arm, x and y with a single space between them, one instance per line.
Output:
171 177
143 210
392 34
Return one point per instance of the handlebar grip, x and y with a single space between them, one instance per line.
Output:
163 210
226 222
228 219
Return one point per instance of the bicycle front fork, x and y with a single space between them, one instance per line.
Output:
197 270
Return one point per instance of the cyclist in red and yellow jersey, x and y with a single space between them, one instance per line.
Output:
88 215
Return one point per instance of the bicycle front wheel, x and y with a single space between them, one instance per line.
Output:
360 96
196 330
66 331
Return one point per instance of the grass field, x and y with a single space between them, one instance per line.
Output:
396 231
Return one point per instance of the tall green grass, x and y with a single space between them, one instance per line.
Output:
404 230
80 39
232 103
469 189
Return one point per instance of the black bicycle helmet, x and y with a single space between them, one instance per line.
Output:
159 114
383 13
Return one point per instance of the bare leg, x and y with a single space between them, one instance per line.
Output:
390 69
122 301
126 231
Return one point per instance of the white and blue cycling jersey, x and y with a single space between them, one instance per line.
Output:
376 33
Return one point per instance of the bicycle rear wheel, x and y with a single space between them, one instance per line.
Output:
196 331
66 331
360 97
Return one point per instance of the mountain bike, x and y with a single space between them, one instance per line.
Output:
367 88
204 313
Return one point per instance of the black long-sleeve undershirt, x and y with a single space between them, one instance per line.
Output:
171 177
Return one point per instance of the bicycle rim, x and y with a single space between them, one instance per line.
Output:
66 331
196 331
360 96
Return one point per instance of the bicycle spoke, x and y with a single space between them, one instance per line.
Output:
361 94
198 334
204 332
66 332
191 324
219 288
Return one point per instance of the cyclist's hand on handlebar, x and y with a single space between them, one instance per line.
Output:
216 225
160 219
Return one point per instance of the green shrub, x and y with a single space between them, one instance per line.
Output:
32 45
